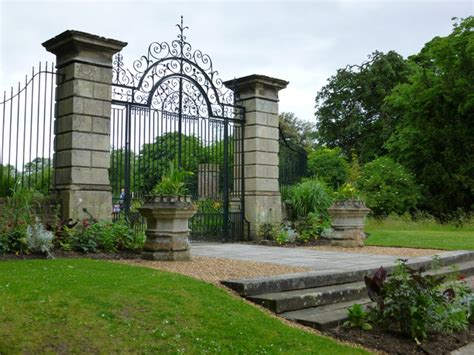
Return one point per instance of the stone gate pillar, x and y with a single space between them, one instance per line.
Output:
82 122
259 95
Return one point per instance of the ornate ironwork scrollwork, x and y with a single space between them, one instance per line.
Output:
174 77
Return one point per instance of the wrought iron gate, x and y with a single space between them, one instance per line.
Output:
173 107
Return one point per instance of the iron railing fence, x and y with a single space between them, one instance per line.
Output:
27 132
293 161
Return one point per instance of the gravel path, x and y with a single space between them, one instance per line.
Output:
214 270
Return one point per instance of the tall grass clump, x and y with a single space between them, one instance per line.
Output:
310 196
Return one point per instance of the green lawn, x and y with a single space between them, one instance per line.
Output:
419 235
89 306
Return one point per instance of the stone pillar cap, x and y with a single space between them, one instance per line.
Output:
254 79
74 45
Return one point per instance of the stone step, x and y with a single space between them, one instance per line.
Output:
297 299
312 279
465 268
285 301
323 317
330 316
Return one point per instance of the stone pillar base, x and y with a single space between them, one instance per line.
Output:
166 247
349 238
171 255
97 203
166 243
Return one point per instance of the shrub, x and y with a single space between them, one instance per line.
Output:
103 236
417 304
18 213
173 182
310 196
388 187
328 165
311 227
357 317
347 192
38 239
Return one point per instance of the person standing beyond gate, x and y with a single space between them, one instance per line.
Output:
122 199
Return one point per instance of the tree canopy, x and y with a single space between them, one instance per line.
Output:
349 108
435 110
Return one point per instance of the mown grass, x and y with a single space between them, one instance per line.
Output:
90 306
402 232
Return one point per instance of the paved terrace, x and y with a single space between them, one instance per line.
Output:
313 259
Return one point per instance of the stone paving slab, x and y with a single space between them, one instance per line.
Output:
465 350
312 259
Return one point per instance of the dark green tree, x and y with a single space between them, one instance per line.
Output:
154 159
7 180
435 111
117 171
37 175
349 109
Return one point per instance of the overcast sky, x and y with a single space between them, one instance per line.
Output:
303 42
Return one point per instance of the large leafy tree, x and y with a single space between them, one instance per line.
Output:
7 180
349 109
154 159
117 170
297 131
37 175
435 110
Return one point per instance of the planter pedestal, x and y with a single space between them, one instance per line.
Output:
347 221
167 233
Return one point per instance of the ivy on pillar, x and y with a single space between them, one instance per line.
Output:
82 122
259 95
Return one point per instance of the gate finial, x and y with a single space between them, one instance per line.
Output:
181 27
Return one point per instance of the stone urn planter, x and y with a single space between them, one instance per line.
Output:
347 221
167 233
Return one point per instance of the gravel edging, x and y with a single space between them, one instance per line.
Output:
214 270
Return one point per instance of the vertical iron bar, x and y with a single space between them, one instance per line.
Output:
242 171
133 142
31 121
37 124
226 180
24 132
3 141
44 126
10 136
180 113
127 158
51 130
112 180
17 132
